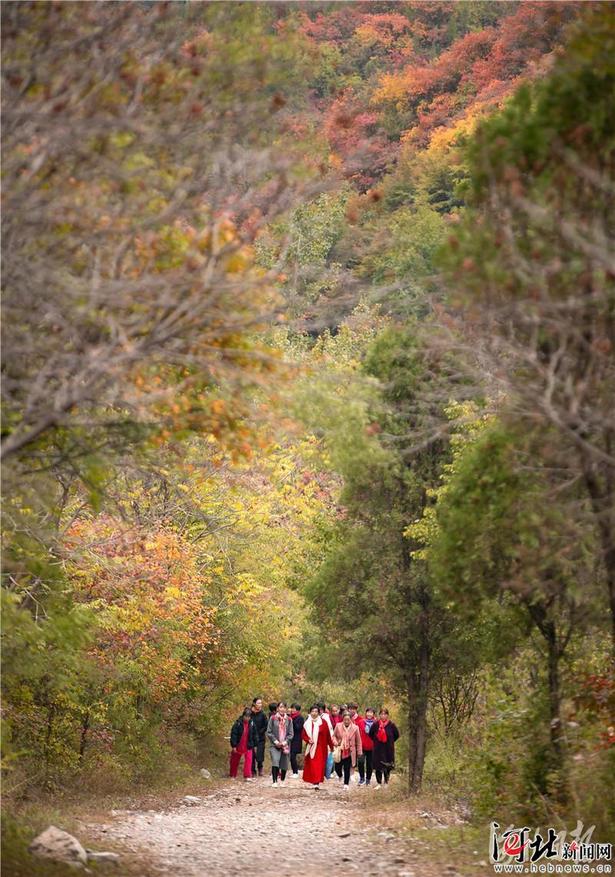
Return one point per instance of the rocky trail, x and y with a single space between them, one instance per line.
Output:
253 825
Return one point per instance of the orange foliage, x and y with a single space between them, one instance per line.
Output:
479 69
149 594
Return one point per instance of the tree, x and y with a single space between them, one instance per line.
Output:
138 172
368 594
533 266
476 71
494 529
139 167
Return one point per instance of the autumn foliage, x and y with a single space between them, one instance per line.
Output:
281 283
422 67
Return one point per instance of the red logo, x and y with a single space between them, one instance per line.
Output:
513 845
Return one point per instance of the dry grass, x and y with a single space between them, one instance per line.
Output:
439 841
77 810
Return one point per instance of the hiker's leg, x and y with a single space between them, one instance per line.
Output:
368 766
361 766
234 763
346 764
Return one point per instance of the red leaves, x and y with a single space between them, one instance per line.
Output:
479 68
597 696
355 136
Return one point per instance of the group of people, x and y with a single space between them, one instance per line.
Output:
337 739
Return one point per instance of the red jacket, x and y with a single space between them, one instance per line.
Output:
366 740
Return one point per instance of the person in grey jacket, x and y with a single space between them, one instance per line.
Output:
280 735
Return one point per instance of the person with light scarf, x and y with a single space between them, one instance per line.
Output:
280 735
316 734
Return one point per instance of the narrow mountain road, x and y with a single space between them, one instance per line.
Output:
253 825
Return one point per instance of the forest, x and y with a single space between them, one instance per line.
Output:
308 385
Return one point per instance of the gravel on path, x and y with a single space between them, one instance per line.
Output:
248 825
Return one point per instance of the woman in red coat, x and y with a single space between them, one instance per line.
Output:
317 735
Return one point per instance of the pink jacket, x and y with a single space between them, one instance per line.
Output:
356 747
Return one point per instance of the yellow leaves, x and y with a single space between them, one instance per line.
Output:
223 234
139 161
173 593
218 406
240 260
247 586
121 139
170 601
393 87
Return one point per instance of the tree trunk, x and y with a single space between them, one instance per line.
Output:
416 778
555 720
601 492
51 711
418 699
540 613
85 725
412 742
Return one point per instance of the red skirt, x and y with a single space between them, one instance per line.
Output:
314 768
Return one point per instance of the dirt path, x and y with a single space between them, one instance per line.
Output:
252 825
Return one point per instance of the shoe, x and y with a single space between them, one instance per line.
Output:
248 779
317 787
260 772
378 787
295 776
274 782
361 782
346 788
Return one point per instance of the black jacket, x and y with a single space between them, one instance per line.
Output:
384 753
237 731
260 722
296 742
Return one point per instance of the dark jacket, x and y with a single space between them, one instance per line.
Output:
384 753
295 745
237 731
260 722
